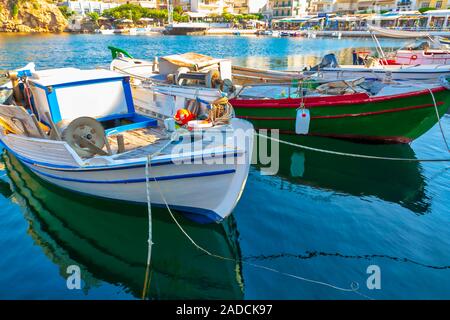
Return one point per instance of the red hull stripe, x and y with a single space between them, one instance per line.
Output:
363 114
389 139
314 102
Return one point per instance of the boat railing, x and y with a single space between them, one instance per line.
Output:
293 89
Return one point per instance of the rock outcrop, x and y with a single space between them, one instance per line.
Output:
31 16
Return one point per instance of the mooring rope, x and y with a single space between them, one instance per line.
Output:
147 278
439 118
148 272
354 155
354 287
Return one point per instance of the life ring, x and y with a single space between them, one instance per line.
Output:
414 57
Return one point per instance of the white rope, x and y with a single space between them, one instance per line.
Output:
150 242
353 288
439 119
149 211
354 155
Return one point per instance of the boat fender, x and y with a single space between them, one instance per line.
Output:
302 121
414 57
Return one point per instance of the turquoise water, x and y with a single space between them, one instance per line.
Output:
322 217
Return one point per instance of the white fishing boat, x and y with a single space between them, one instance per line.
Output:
395 33
375 68
82 133
168 83
106 31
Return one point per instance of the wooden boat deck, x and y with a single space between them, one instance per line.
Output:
142 142
139 142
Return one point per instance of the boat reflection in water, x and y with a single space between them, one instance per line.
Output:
108 240
393 181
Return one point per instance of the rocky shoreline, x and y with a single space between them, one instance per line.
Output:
30 16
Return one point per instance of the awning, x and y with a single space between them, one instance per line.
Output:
351 18
384 17
402 17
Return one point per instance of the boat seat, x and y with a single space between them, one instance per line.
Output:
137 121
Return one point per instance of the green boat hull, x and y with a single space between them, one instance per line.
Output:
390 119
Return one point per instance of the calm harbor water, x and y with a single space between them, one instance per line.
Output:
322 217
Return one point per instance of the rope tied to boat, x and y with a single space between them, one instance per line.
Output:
148 272
346 154
221 111
439 118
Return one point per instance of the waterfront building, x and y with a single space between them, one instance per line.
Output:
346 6
376 5
84 7
146 4
437 19
241 6
288 8
321 6
184 4
267 11
406 5
151 4
437 4
211 7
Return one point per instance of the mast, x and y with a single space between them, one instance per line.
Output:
170 11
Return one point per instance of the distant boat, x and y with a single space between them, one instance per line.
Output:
185 28
376 68
99 145
398 34
106 31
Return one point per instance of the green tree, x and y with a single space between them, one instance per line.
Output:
179 10
15 10
93 16
422 10
66 12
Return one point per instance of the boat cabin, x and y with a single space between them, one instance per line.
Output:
69 93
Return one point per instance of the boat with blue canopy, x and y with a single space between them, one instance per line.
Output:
78 129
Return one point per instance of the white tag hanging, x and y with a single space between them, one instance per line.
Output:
302 121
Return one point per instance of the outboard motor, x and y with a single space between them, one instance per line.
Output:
328 61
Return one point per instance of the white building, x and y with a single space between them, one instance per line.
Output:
153 4
321 6
288 8
212 6
83 7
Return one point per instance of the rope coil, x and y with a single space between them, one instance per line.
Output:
221 111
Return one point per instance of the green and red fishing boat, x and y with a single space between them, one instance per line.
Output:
357 110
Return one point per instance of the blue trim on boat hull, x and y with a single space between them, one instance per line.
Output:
198 215
112 167
140 180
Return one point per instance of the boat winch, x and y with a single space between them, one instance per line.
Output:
86 136
210 78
